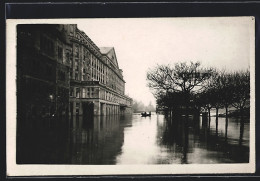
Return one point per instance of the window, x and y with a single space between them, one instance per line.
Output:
88 92
91 92
68 57
71 91
83 93
76 76
71 30
77 92
77 51
76 65
61 75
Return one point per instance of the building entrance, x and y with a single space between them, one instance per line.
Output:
88 109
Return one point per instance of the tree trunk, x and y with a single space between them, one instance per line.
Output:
226 126
216 120
216 113
209 116
241 131
241 125
241 112
186 99
226 111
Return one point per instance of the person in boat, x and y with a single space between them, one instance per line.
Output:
146 114
143 113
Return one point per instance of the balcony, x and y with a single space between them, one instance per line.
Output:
90 83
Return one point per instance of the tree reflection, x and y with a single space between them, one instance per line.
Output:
183 135
185 140
98 141
242 125
216 125
226 128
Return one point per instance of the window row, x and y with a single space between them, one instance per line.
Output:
113 98
83 92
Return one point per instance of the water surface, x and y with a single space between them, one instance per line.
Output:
133 139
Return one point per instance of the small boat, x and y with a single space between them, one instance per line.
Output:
144 114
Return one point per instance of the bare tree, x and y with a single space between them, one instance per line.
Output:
223 85
182 77
207 98
241 87
213 92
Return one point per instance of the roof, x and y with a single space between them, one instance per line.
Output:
110 53
105 50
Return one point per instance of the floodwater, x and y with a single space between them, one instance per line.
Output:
133 139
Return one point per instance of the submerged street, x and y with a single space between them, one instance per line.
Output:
132 139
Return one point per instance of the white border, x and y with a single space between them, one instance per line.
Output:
39 170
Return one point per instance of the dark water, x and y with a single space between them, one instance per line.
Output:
134 139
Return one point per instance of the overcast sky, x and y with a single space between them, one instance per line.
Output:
142 43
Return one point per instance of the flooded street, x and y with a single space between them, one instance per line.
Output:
133 139
134 96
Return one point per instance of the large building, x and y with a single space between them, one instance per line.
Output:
61 72
96 83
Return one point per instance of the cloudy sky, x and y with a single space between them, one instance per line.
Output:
142 43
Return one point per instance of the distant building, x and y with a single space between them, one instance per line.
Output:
61 72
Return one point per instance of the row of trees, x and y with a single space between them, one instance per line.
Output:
225 90
190 85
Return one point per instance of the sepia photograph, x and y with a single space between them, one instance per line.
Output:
131 96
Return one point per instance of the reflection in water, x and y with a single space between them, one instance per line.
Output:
97 141
242 125
134 139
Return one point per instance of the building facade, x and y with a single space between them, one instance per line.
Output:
97 86
42 74
61 72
